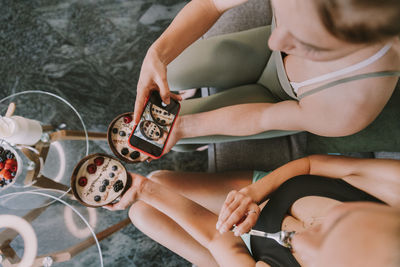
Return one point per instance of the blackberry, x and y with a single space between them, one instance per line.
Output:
124 151
9 154
134 155
118 186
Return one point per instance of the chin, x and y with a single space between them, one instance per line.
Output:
319 58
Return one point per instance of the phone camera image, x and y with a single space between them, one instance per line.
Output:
156 122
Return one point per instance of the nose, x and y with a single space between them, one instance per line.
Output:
281 40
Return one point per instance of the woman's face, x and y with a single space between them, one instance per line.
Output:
359 234
300 32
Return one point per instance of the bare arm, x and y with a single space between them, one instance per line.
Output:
187 27
378 177
338 111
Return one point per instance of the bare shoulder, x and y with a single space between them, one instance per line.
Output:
224 5
352 105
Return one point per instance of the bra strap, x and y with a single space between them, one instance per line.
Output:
360 65
349 79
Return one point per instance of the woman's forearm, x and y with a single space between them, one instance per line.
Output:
188 26
241 120
260 190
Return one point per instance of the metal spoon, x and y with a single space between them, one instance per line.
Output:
284 238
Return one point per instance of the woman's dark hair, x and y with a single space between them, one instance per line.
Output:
360 21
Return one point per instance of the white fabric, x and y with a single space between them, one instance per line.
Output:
297 85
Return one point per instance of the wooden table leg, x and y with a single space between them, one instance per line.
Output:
76 135
47 183
69 253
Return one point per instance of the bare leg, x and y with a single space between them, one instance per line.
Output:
207 189
168 233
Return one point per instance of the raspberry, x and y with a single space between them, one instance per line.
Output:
82 181
127 119
99 161
1 165
91 168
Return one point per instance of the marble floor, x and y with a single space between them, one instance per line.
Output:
90 53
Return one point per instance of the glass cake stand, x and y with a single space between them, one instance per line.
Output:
49 163
62 233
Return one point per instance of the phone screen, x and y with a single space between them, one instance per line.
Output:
151 134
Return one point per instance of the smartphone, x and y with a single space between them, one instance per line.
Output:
156 122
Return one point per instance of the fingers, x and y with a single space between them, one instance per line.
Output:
226 209
176 97
250 220
141 97
238 210
164 89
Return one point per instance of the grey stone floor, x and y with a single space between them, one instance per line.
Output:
90 53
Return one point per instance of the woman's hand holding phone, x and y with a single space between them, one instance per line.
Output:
150 136
153 77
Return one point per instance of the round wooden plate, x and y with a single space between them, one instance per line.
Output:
88 180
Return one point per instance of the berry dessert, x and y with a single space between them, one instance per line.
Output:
8 167
118 138
98 180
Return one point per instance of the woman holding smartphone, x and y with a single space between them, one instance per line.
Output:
326 67
317 196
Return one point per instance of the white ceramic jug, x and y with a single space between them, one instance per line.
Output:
20 130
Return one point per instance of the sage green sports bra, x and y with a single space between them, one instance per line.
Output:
291 88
